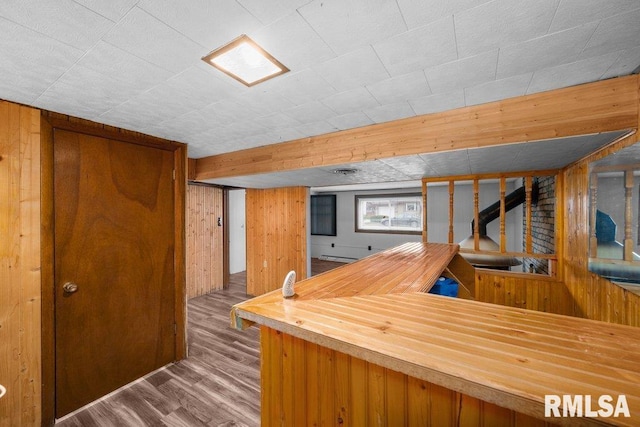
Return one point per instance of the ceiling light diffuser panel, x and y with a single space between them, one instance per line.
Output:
244 60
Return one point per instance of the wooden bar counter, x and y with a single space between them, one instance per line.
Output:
365 345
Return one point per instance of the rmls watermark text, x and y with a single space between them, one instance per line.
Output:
588 406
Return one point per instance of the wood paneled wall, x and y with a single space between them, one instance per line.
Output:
592 296
20 264
304 384
204 240
276 236
540 293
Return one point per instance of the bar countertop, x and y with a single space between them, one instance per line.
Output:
377 310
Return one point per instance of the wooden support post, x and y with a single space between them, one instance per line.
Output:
528 186
476 214
425 219
451 212
503 235
628 215
593 209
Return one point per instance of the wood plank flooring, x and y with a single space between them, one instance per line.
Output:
217 385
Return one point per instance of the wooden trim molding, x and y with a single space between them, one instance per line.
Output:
180 196
48 274
191 169
589 108
226 274
87 127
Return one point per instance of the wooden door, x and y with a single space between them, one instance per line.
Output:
114 239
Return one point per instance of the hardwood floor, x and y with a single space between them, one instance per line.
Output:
320 266
217 385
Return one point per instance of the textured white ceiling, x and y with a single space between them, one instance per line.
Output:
136 64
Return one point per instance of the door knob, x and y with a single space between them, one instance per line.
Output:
70 287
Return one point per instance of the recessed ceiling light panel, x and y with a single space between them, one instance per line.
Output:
245 61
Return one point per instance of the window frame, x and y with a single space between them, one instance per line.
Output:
418 204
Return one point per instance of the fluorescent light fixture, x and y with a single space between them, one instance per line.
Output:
245 61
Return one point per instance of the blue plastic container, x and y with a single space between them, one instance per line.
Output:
445 286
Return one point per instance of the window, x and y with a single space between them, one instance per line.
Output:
393 213
323 215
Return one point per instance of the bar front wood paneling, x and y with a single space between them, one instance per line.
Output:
590 108
276 237
533 292
339 389
476 362
20 268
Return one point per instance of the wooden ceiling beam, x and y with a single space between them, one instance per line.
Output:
602 106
